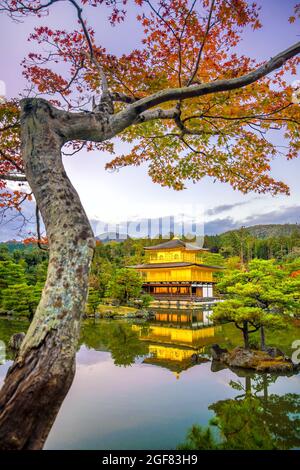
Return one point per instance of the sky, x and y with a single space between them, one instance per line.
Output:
130 193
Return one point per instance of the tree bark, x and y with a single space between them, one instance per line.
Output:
248 387
246 334
262 338
43 371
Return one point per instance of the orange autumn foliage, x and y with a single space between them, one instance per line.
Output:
295 273
227 136
40 241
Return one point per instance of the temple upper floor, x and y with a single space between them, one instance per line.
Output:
171 256
174 251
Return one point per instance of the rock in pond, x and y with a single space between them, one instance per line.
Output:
261 361
275 352
217 352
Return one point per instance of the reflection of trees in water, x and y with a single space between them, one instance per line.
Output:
27 421
252 420
255 419
118 338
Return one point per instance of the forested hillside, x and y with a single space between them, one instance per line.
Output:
281 242
272 230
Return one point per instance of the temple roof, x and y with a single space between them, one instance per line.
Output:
175 243
173 265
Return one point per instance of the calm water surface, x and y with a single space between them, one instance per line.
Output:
137 387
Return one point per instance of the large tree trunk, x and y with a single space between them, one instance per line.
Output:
41 375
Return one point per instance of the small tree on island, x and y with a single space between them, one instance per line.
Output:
262 295
125 285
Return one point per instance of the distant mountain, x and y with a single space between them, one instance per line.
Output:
112 237
270 230
258 231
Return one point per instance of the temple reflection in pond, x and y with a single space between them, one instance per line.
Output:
178 340
178 318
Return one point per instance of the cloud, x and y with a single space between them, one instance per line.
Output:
216 226
282 215
225 207
10 229
17 226
228 207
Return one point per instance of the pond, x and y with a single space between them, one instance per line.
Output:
138 387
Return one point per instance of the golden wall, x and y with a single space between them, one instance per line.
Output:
174 256
177 274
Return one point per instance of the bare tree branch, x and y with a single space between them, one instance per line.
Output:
157 113
123 98
215 86
104 85
66 154
264 117
5 157
80 67
21 7
202 44
180 39
38 229
89 126
12 177
162 19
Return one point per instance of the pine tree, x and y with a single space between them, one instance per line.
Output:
263 295
126 285
21 299
93 300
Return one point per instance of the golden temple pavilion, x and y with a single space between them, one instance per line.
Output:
175 272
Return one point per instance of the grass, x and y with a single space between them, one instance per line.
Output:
103 309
